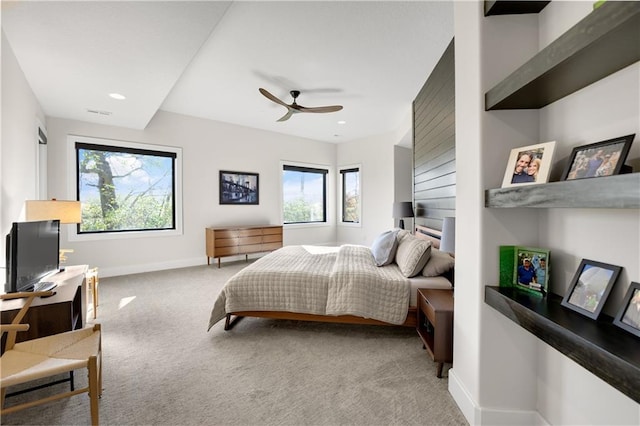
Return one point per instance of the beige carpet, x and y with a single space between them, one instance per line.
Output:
161 366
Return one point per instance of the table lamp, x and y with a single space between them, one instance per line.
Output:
65 211
448 239
401 210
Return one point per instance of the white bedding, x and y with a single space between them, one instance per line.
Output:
323 281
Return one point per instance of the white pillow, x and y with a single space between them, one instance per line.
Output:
412 255
439 263
384 248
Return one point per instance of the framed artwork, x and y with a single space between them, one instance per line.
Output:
238 187
529 165
531 269
628 317
590 287
598 159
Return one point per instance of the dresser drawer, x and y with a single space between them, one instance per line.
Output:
249 232
274 238
226 233
271 246
426 307
244 241
226 251
225 242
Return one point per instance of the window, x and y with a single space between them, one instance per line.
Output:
304 192
126 187
350 194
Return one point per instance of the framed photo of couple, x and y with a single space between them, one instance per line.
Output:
529 165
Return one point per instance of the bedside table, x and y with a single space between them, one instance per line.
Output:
435 324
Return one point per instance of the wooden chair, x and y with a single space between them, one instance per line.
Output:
92 283
49 356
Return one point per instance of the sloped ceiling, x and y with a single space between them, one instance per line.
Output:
207 59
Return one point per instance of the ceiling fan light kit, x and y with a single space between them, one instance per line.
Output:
294 108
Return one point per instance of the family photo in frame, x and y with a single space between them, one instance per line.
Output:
238 187
590 287
529 165
531 269
598 159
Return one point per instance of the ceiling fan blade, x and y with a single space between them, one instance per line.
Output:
287 115
332 108
272 98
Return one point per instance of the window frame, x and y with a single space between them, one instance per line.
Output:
72 189
327 171
341 173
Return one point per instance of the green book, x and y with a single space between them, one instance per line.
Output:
507 265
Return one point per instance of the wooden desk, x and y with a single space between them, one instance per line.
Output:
64 311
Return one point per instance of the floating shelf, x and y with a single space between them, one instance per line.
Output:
604 349
604 42
610 192
499 7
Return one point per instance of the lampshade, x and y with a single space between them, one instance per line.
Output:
65 211
448 239
402 209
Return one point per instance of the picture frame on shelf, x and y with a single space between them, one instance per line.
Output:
590 287
529 165
239 187
628 317
598 159
531 269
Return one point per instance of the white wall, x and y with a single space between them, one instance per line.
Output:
502 374
207 147
19 144
376 157
403 179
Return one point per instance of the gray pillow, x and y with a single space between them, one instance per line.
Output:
439 263
412 254
384 248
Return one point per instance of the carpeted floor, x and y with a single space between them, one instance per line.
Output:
161 366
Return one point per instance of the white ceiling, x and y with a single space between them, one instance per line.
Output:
208 58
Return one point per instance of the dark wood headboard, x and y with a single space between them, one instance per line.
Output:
429 234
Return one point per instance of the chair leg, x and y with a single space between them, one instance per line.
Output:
94 389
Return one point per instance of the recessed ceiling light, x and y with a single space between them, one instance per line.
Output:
117 96
342 122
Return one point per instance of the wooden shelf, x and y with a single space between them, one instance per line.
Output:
599 346
503 7
611 192
604 42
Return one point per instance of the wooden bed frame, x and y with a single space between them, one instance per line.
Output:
421 232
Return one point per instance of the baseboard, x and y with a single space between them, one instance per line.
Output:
477 415
150 267
460 395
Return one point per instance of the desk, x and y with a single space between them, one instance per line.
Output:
64 311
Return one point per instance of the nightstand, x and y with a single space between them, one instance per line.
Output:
435 324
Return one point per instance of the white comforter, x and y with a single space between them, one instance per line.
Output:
293 279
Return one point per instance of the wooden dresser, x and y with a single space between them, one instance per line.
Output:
235 240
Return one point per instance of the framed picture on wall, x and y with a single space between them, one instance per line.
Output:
529 165
590 287
628 317
598 159
239 187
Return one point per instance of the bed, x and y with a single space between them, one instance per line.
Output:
347 284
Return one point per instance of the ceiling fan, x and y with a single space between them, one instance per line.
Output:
294 108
